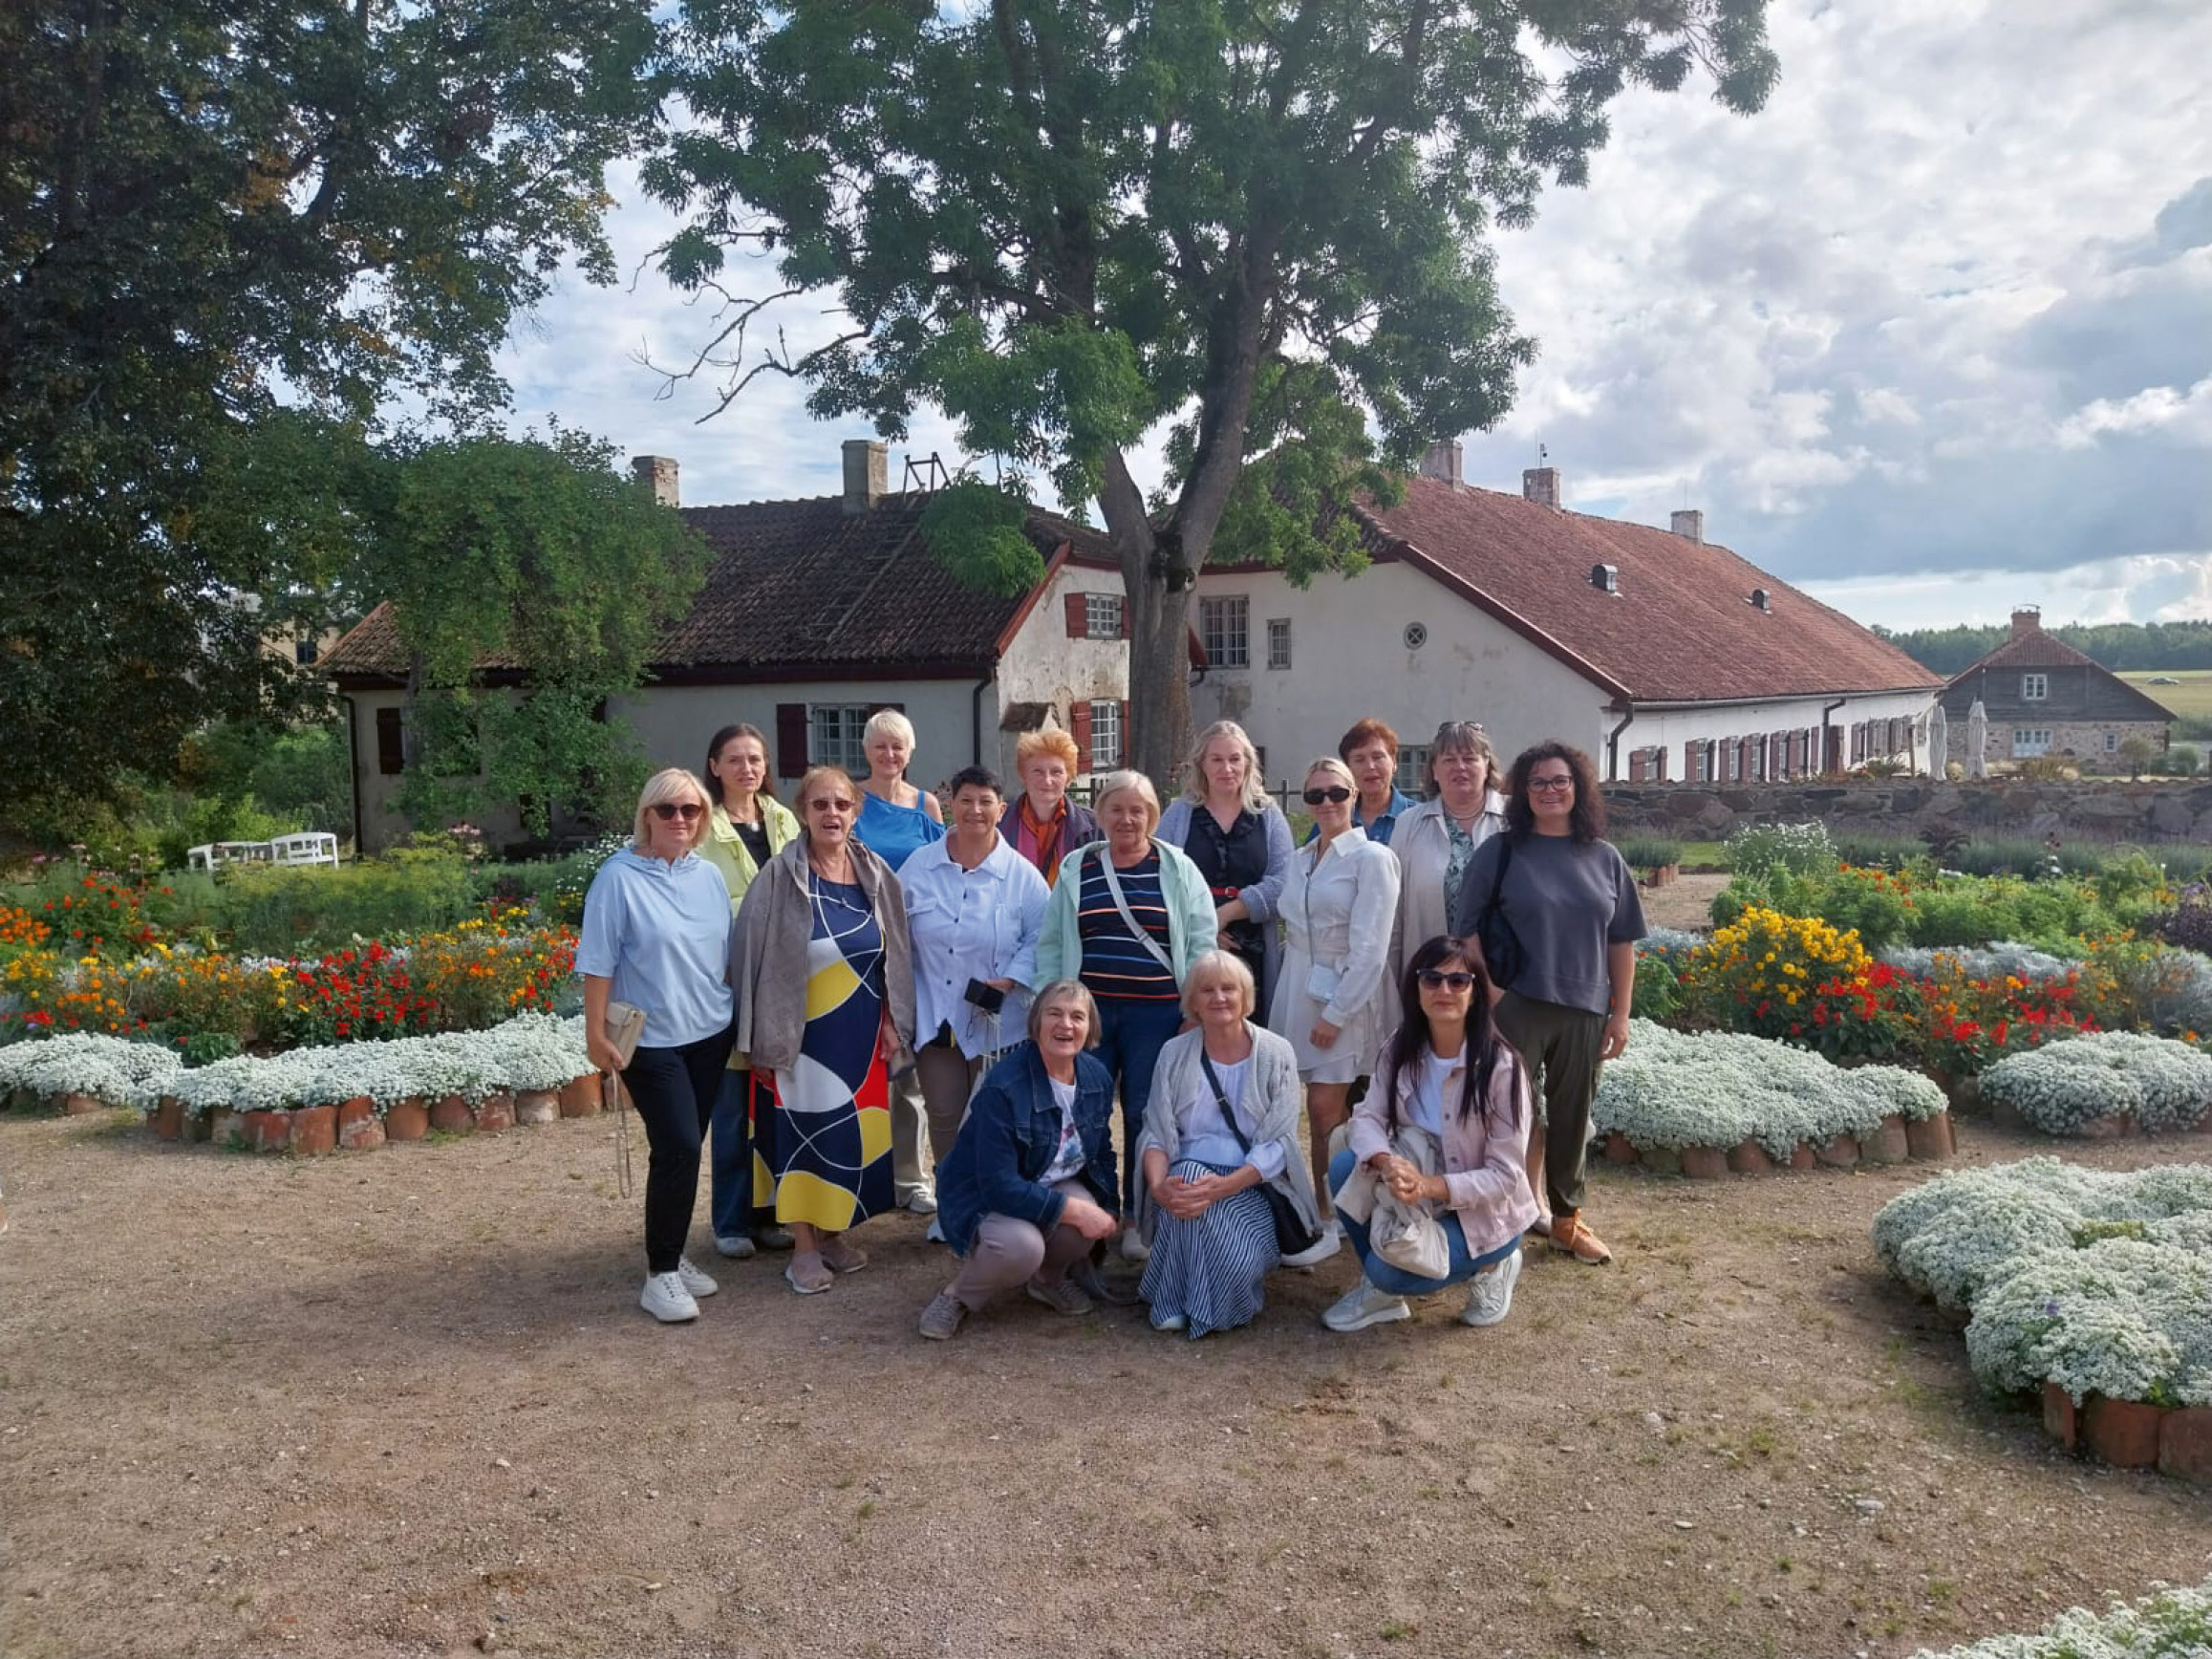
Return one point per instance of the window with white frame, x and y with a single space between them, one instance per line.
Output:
1413 769
1102 615
1225 631
2034 687
2030 740
2112 742
1105 734
835 733
1278 642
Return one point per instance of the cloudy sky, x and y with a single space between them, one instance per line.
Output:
1930 335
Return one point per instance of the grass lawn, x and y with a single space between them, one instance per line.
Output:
2190 700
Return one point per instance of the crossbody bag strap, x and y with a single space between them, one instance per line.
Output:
1105 862
1505 860
1221 1099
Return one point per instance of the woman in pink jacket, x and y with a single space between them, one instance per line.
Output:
1446 1071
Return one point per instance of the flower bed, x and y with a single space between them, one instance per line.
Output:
1715 1101
2112 1083
528 1069
2171 1625
2092 1286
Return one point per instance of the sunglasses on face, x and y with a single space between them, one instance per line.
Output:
828 804
669 811
1433 977
1550 786
1335 792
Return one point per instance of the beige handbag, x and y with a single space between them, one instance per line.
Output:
625 1024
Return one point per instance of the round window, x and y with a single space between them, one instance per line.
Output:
1416 636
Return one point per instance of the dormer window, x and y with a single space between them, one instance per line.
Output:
2034 687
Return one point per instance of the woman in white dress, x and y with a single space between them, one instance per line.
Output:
1332 996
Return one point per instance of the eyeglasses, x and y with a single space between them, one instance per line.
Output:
1335 792
687 810
1435 978
1550 786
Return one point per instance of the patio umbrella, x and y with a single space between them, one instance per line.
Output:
1939 740
1977 740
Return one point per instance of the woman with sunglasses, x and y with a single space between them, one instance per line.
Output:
1570 901
823 963
1448 1075
1332 999
657 935
1434 841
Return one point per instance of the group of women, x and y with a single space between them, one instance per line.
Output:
1013 972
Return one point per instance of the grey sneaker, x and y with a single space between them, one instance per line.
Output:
694 1281
1059 1296
941 1319
1491 1295
1133 1246
773 1238
1363 1306
921 1201
665 1298
737 1246
1169 1321
842 1254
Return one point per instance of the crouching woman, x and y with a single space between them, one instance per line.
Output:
1030 1184
1220 1127
1449 1078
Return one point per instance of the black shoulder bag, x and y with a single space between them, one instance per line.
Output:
1291 1236
1502 955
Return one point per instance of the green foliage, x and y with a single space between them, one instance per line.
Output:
301 776
2182 761
1657 988
976 533
1756 849
2137 646
1649 851
1919 907
284 911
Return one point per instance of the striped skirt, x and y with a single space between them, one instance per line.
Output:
1209 1270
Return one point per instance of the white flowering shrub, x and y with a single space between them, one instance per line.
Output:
1720 1089
2172 1624
1670 943
2004 960
118 1072
1756 849
2099 1282
2063 1087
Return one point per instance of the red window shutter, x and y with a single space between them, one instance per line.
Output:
1124 616
390 746
1121 726
1078 728
790 740
1077 617
1635 765
1690 762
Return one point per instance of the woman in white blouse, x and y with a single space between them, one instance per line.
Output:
1222 1119
975 906
1332 999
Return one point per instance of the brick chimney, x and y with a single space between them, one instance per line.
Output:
2026 620
1541 485
867 473
657 474
1442 462
1688 524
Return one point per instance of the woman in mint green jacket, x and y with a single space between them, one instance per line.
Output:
746 827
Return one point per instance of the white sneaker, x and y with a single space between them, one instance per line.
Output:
1363 1306
694 1281
667 1300
1169 1321
922 1201
1134 1248
1490 1296
736 1246
936 1232
1321 1250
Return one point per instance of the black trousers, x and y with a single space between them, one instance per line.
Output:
674 1091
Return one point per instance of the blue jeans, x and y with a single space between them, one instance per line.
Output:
1396 1280
734 1215
1130 1037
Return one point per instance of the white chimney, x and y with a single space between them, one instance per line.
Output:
867 473
1541 485
657 474
1442 462
1688 524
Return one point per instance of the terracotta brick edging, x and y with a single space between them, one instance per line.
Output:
1894 1141
358 1126
2176 1440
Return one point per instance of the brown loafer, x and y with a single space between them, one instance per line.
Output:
1569 1235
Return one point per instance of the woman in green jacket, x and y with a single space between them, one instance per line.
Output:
746 827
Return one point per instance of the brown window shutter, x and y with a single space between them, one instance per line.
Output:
1078 728
1124 617
1078 615
790 740
390 746
1635 765
876 708
1121 726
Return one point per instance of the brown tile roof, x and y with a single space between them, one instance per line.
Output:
1681 626
2098 694
2033 649
801 588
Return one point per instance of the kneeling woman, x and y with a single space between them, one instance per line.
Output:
1448 1072
1222 1120
1030 1184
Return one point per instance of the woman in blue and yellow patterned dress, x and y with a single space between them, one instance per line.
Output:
824 974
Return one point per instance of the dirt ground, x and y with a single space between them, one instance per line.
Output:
402 1402
1684 902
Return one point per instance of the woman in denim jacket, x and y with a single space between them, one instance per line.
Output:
1030 1184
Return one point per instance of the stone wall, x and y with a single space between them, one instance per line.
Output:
2088 811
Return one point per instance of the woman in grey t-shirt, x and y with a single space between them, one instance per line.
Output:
1571 903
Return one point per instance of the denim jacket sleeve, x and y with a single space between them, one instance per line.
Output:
994 1118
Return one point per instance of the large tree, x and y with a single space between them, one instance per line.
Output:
210 208
1065 223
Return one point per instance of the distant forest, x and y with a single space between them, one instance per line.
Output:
2148 646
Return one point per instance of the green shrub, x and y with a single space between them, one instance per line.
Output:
1657 988
1759 848
282 912
1649 851
2182 761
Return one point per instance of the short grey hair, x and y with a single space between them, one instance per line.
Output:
1115 783
1065 991
1218 964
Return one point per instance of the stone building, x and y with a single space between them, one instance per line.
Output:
2045 697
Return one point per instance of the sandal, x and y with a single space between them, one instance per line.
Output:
1569 1235
808 1274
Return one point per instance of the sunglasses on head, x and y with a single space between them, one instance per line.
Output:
687 810
1335 792
1458 979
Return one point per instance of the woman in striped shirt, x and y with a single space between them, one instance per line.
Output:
1127 914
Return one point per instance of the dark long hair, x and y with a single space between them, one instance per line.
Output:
1586 822
1486 1049
714 785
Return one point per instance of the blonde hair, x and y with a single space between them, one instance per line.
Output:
1116 783
1257 799
837 775
669 784
1066 991
889 720
1218 964
1051 740
1336 769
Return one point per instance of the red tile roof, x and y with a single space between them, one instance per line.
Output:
2032 648
1681 626
803 588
